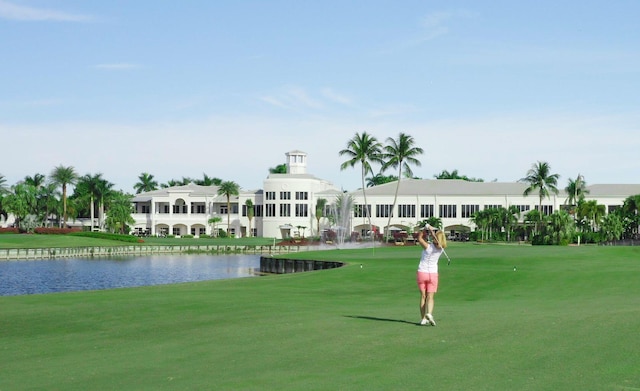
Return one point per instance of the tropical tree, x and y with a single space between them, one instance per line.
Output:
561 225
214 224
120 210
146 182
227 189
207 181
21 202
591 212
540 178
364 149
630 208
37 180
380 179
455 175
576 190
250 214
400 153
4 189
89 189
63 176
320 205
612 226
279 169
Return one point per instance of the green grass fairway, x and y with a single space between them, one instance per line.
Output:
567 319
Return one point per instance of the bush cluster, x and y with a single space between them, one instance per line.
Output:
9 231
109 236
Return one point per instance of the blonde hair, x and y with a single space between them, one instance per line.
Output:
441 239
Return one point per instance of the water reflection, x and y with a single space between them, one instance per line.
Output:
67 275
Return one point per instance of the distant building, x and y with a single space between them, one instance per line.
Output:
285 207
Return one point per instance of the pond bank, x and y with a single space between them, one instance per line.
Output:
98 251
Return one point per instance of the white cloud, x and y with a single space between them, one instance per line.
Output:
336 97
19 12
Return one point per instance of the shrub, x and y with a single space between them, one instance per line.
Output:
108 236
187 236
9 230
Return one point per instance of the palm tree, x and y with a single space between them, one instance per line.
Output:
364 149
37 180
454 175
91 187
576 190
208 181
631 207
380 179
279 169
320 205
63 176
250 214
539 178
228 188
400 153
120 210
214 223
145 183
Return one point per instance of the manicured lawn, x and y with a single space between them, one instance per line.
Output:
567 319
49 241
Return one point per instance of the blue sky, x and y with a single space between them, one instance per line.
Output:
226 88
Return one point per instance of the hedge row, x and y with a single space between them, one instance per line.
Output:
108 236
9 231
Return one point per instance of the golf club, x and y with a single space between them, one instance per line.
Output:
448 259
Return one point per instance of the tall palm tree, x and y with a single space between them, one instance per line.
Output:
320 205
89 187
63 176
364 149
227 189
104 194
400 153
539 178
145 183
250 214
576 190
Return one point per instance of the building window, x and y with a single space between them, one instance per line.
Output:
270 210
407 211
384 210
469 210
523 208
270 195
448 211
223 210
285 210
493 206
546 209
176 231
302 210
234 209
360 211
258 210
302 195
612 208
146 208
426 211
197 208
285 195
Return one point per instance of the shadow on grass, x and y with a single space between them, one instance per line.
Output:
382 319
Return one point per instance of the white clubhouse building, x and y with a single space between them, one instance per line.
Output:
286 206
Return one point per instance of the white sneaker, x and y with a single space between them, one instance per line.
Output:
430 319
423 322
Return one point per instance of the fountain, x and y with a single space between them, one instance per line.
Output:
339 215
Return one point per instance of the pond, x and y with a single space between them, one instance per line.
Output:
68 275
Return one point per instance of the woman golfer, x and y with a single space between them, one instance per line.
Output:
427 276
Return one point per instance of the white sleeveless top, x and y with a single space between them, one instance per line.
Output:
429 259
